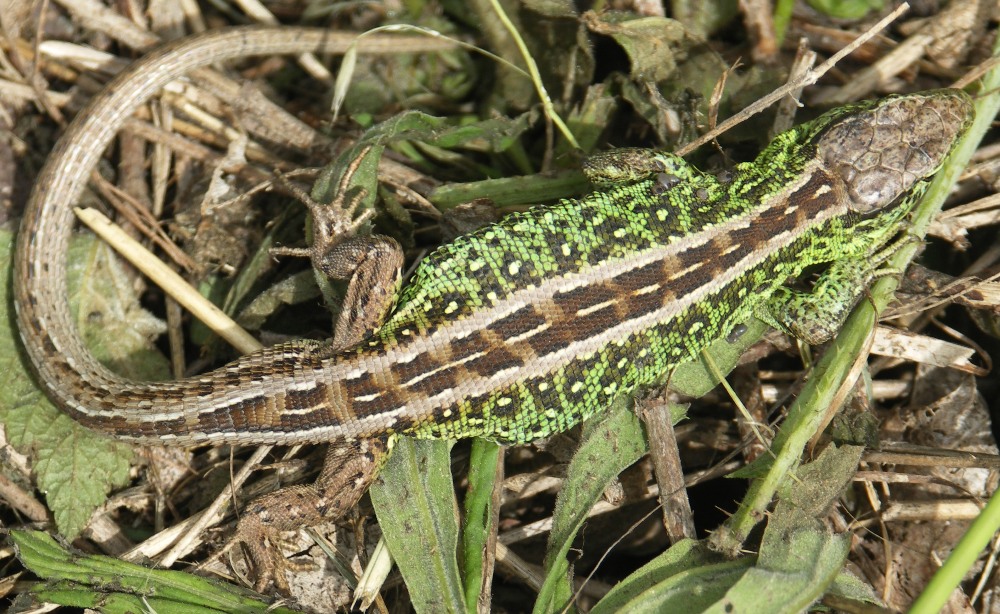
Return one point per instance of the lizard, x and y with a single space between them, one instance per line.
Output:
516 331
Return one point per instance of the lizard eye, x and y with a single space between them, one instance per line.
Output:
884 152
665 181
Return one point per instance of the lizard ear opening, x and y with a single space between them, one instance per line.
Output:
907 141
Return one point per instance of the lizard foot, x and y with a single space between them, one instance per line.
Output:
347 472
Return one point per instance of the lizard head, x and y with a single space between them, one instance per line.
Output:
885 151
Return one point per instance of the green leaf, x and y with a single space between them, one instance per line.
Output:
76 468
77 471
610 443
695 378
652 43
793 571
491 135
798 560
818 484
105 305
506 191
416 508
292 290
849 586
479 531
687 577
111 585
846 9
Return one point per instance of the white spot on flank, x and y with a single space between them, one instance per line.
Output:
694 267
496 380
732 248
822 189
593 308
426 374
529 334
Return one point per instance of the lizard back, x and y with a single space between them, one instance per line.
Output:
524 328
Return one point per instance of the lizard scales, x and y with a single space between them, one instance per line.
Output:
523 328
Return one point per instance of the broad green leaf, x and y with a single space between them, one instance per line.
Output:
687 577
76 468
610 443
415 503
789 575
799 556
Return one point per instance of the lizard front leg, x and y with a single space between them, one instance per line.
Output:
371 265
816 316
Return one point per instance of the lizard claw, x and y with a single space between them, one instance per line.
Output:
348 470
264 558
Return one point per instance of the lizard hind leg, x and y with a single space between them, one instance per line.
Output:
349 468
372 266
